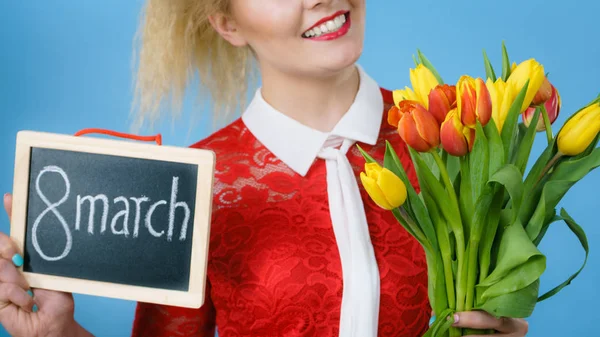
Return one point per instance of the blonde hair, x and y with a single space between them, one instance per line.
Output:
177 42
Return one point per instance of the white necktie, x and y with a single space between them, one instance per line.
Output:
360 296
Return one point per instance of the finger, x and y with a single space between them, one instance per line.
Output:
8 204
9 251
10 274
12 293
480 320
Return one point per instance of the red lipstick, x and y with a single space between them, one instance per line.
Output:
331 35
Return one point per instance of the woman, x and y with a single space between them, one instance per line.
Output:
297 248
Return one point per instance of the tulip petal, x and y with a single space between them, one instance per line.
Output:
451 135
579 132
374 191
394 115
527 70
427 126
484 102
407 128
403 94
466 101
423 81
441 99
393 188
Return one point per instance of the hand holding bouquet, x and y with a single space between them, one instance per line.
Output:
478 212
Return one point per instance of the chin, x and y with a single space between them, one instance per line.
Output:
338 59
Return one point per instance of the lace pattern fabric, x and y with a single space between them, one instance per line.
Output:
274 267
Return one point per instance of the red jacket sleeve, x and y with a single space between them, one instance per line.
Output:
152 320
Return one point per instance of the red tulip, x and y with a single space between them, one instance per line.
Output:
552 106
417 126
456 138
442 99
473 101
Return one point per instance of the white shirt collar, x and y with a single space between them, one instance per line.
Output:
296 144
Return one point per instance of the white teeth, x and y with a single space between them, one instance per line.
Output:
327 27
331 26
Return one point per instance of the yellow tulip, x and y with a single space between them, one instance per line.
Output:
579 131
404 94
527 70
383 186
502 97
423 81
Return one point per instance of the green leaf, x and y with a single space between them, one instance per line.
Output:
479 163
530 189
551 194
431 164
489 70
520 263
526 143
419 236
489 235
496 148
575 170
510 125
443 237
453 167
510 177
580 233
518 304
438 327
415 61
421 215
505 63
367 157
565 175
430 66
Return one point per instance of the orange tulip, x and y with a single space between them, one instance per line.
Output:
417 126
442 99
456 138
473 101
552 106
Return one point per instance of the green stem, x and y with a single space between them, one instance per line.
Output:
456 225
444 242
548 166
549 135
401 213
455 332
471 273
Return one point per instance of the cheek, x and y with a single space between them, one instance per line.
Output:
263 20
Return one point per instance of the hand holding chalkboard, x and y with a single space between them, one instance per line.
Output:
113 218
28 312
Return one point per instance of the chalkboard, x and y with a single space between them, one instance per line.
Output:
113 218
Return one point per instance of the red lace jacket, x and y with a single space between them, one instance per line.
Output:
274 266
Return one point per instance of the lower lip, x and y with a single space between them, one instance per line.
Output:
335 35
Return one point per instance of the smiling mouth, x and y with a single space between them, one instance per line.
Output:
328 27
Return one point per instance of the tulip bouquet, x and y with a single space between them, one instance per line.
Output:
477 211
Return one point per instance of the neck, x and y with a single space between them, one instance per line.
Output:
317 102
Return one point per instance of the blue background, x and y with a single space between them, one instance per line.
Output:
66 65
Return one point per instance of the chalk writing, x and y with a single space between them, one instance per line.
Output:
119 224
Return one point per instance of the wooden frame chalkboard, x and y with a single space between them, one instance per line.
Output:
37 149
